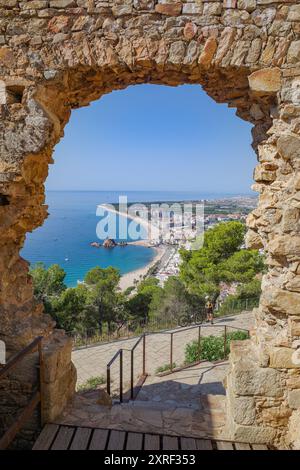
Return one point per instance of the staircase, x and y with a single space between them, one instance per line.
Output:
190 402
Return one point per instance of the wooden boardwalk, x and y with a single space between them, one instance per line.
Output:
58 437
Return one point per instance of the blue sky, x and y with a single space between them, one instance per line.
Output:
151 137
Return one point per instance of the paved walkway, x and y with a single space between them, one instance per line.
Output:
184 387
92 361
189 402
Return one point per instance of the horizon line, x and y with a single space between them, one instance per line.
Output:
151 190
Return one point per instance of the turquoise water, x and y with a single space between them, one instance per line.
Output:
66 235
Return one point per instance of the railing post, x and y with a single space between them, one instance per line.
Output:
121 375
225 340
171 353
132 374
199 343
41 381
108 380
144 354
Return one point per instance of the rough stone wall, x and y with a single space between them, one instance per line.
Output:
56 55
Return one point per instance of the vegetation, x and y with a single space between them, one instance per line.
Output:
91 384
99 305
212 347
174 301
246 298
221 259
165 368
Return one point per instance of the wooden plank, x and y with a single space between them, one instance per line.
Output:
134 441
241 446
223 445
188 444
116 440
63 438
99 439
259 447
46 437
19 422
170 443
152 442
81 439
204 444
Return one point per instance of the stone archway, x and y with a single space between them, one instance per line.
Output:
56 55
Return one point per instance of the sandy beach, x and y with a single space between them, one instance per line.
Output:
127 280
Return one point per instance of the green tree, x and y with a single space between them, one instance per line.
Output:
242 266
202 270
72 311
47 282
223 240
174 301
104 297
139 304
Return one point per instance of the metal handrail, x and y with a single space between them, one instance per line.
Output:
119 353
36 399
171 333
87 339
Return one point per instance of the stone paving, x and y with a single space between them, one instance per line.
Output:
190 402
184 387
92 361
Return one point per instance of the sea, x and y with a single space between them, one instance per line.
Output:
71 226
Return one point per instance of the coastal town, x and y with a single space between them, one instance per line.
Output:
171 231
223 210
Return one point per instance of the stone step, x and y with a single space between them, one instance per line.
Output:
207 420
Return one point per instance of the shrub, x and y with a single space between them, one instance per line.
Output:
91 384
212 347
165 368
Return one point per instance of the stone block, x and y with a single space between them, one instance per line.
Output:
265 81
8 3
243 409
143 4
290 219
294 399
254 434
169 9
263 174
250 380
248 5
294 326
212 9
281 301
229 3
293 435
35 5
293 55
57 394
253 240
276 416
208 52
294 13
121 10
281 358
57 356
190 30
62 3
288 147
192 9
